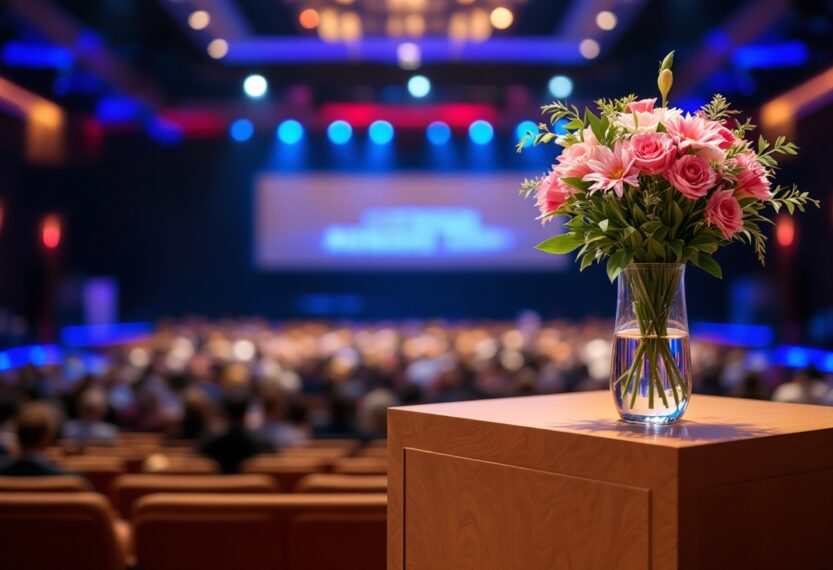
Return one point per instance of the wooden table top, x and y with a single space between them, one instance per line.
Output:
708 420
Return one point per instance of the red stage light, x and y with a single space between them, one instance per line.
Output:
785 231
51 231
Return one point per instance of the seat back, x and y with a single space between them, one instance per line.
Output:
361 466
336 483
70 531
127 489
98 470
266 532
323 453
179 464
50 484
349 445
286 471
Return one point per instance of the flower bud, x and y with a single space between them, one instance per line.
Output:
664 82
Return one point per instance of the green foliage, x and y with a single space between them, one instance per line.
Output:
718 109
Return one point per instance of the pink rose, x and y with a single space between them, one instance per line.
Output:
752 178
723 211
641 106
551 194
692 175
653 153
573 160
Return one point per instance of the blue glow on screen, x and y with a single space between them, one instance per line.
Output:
785 54
417 232
37 56
438 133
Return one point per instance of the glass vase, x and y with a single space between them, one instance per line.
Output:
651 370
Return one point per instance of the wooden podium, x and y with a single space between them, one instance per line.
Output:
558 483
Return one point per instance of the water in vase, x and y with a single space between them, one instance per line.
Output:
657 397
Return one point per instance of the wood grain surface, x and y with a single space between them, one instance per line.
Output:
450 464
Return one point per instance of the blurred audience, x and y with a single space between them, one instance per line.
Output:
36 429
245 386
90 427
235 443
806 387
284 423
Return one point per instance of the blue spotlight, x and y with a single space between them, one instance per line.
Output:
241 130
525 127
419 86
561 86
380 132
290 131
339 132
438 133
481 132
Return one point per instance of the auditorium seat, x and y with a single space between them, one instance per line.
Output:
348 444
49 484
127 489
140 439
266 532
286 471
99 471
133 457
361 466
66 531
335 483
178 464
325 453
378 452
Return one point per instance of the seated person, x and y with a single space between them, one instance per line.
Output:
36 427
90 427
284 422
236 444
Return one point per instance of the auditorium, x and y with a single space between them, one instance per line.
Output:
416 285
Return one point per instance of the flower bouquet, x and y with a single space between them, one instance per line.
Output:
647 189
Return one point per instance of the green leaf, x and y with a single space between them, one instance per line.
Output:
564 243
617 262
576 183
709 265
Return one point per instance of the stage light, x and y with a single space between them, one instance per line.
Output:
589 48
481 132
50 231
501 18
380 132
561 86
438 133
255 86
241 130
217 48
785 231
525 127
606 20
409 55
308 18
419 86
339 132
290 131
199 19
